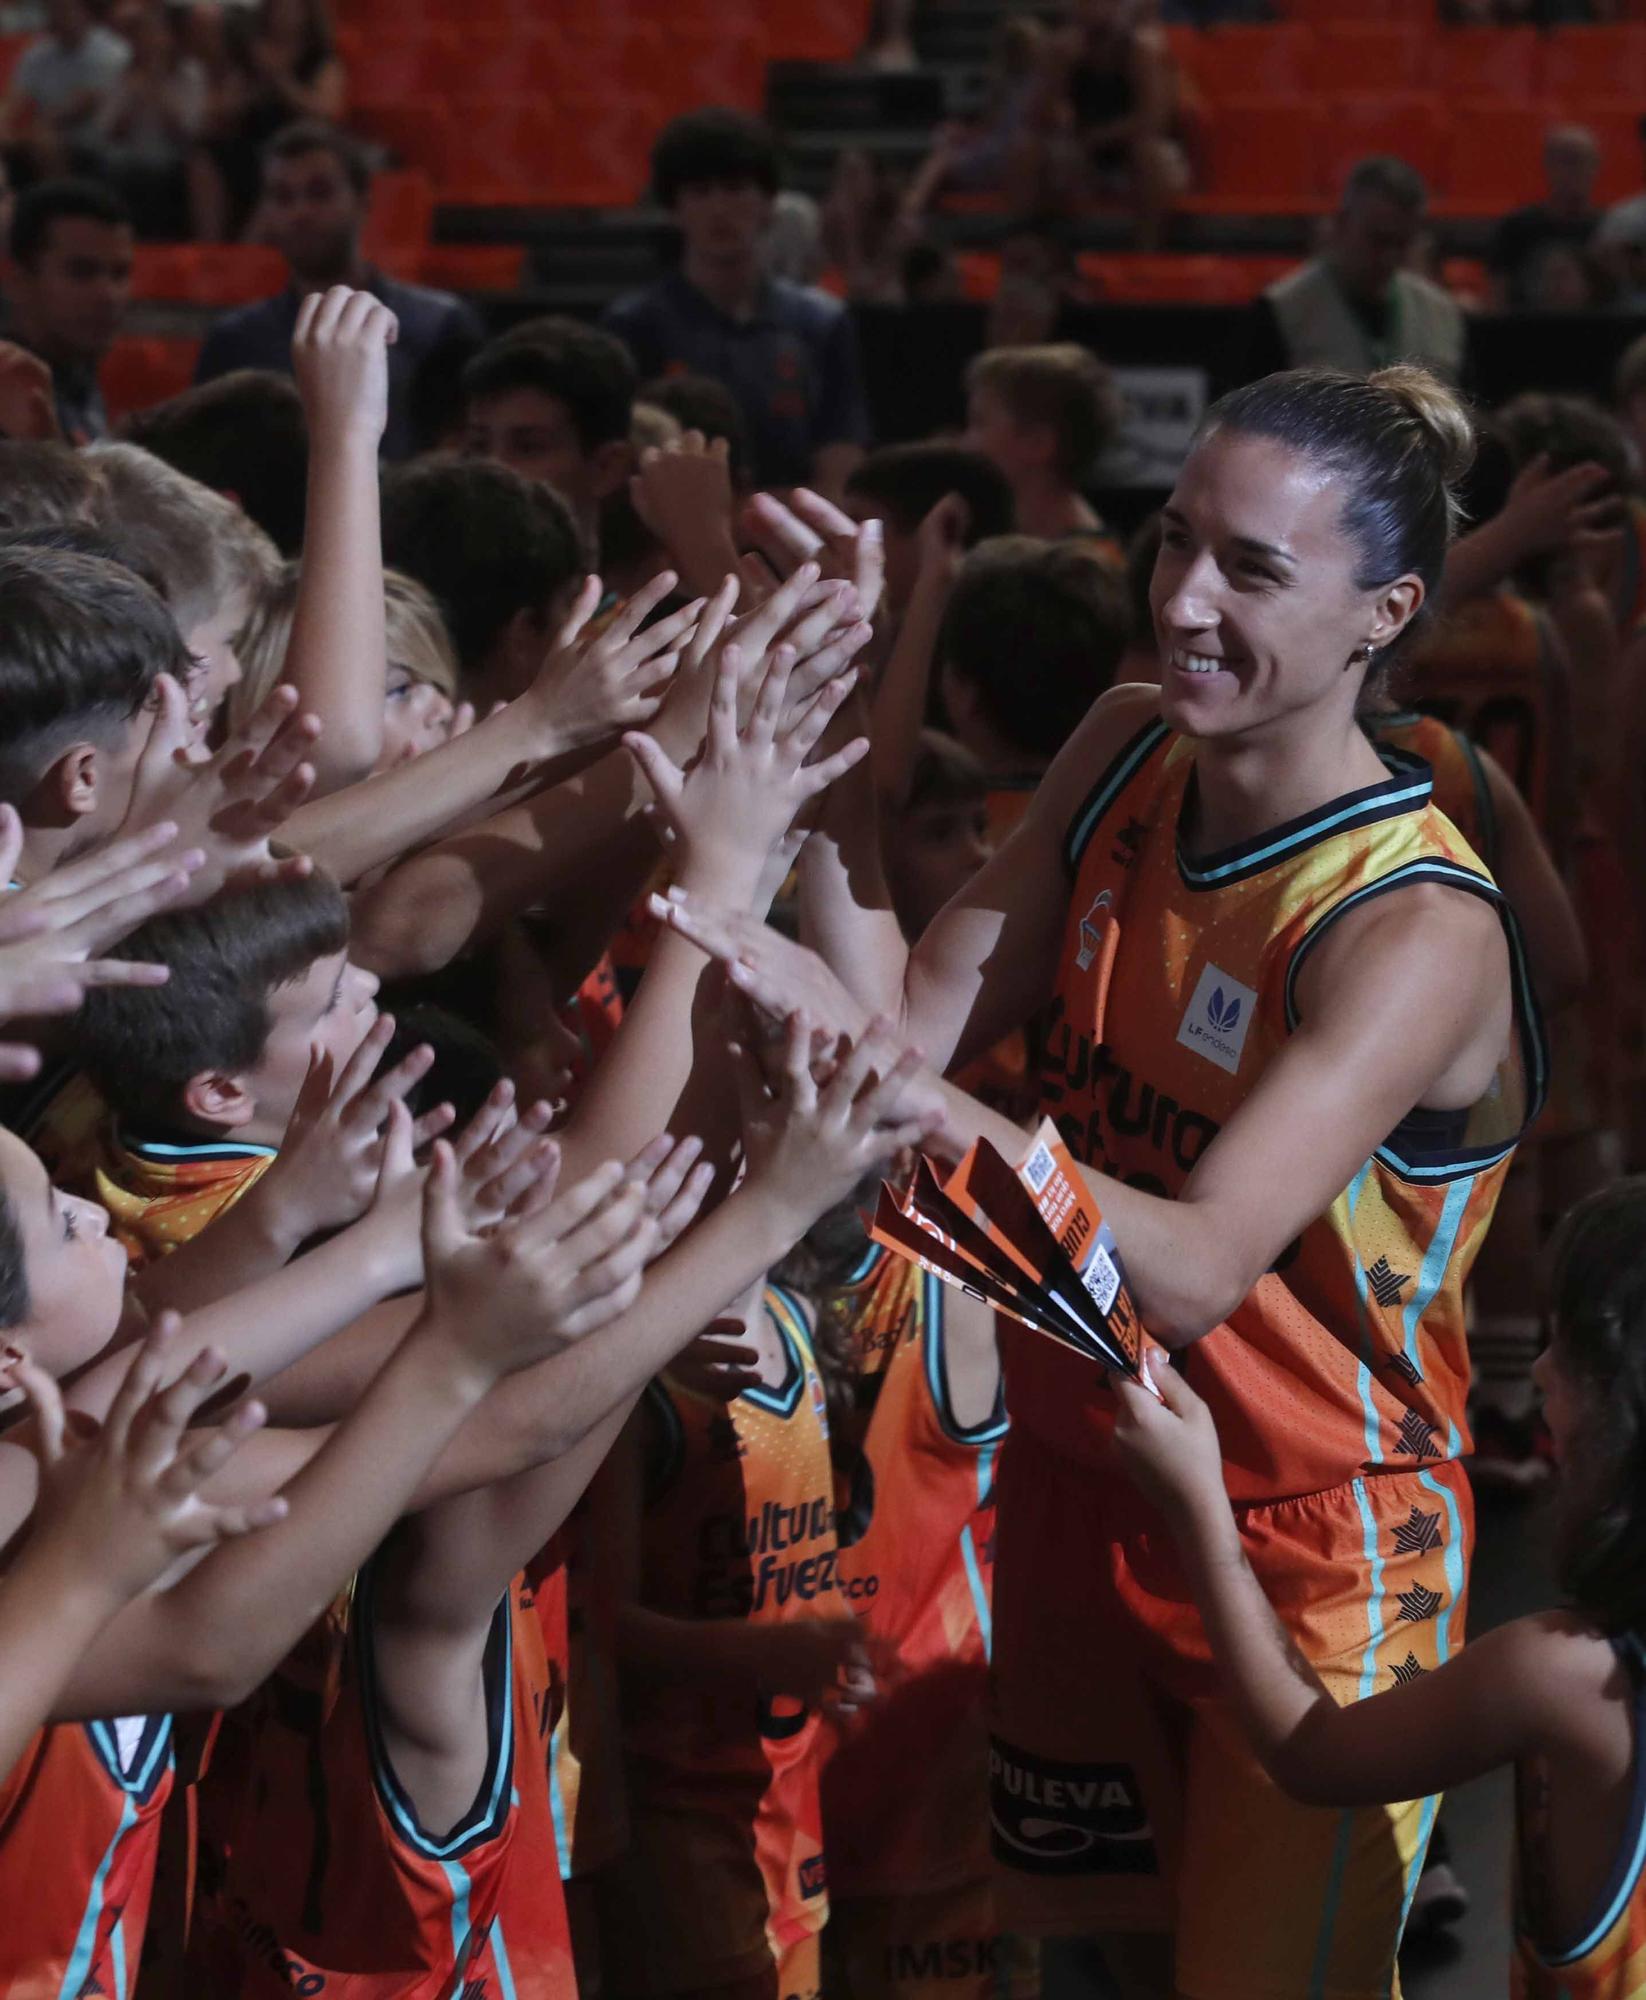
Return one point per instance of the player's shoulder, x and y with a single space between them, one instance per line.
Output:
1090 760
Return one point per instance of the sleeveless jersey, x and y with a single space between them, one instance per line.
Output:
1607 1961
739 1523
1460 790
905 1778
79 1830
1490 669
1177 990
332 1885
1004 1076
585 1750
160 1192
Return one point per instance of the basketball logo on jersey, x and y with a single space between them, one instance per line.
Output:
1217 1019
1091 930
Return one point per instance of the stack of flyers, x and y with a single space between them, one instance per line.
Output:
1026 1238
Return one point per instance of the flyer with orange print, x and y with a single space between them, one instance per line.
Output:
1026 1236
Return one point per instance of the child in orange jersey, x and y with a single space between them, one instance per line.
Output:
1561 1695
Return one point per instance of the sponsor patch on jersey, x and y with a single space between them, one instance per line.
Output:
1047 1817
1218 1018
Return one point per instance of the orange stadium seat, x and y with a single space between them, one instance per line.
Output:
1263 156
419 131
208 274
604 157
1139 278
819 31
1364 10
418 61
1408 123
504 149
11 47
1496 160
979 274
515 61
1487 62
401 216
706 65
1246 61
138 372
1366 57
1594 62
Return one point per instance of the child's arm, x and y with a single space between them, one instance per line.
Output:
118 1505
1545 511
338 655
589 688
1496 1701
902 699
497 1302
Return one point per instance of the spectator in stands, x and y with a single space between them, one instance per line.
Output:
1355 305
1044 416
58 87
143 130
316 189
1619 242
900 484
992 150
789 355
243 435
68 281
555 400
1105 116
275 64
866 228
1566 215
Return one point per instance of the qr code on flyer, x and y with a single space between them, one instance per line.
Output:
1101 1279
1039 1168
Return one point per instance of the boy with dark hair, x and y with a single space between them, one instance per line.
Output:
787 353
82 644
554 400
900 484
700 403
1045 416
67 288
242 434
496 551
1032 636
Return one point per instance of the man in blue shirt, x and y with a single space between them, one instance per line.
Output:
786 352
316 189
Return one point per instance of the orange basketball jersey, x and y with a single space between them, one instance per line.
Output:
79 1831
1454 765
739 1523
1178 988
1607 1959
906 1778
332 1885
1491 669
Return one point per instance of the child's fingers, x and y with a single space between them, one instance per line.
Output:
600 1311
394 1084
639 608
678 1215
358 1071
160 1424
42 993
223 1524
126 971
722 730
99 868
490 1122
530 1172
432 1123
768 702
153 1362
713 621
657 767
539 1193
583 609
871 1056
587 1224
668 634
442 1219
662 1168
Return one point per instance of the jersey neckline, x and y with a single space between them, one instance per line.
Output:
1407 789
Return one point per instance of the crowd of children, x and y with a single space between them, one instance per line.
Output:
483 1517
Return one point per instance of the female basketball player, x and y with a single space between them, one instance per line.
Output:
1293 1043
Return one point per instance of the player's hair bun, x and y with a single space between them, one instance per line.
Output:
1448 430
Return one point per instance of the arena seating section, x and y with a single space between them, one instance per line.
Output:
517 138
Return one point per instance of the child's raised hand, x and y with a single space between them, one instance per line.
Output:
1165 1439
340 359
719 1364
812 529
771 971
591 686
228 805
808 1144
120 1501
824 1662
559 1266
330 1167
736 802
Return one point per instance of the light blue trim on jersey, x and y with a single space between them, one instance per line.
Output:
1381 805
1454 1563
557 1807
1109 787
139 1782
1368 1685
1363 1369
871 1256
968 1550
1633 1870
1436 1261
500 1958
117 1960
457 1880
238 1149
85 1939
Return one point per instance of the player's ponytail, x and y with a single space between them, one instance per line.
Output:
1399 441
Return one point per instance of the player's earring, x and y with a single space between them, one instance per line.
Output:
1362 656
